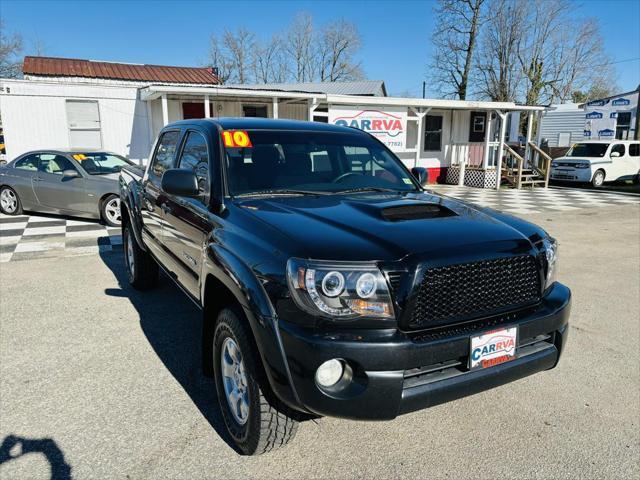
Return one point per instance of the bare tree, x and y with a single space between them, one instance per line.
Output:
583 64
454 40
10 50
498 72
270 64
299 46
218 58
337 45
240 50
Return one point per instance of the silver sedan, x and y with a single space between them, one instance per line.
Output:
78 183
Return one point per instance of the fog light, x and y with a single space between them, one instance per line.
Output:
329 373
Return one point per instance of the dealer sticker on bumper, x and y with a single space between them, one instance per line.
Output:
494 347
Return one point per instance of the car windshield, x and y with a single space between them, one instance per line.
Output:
308 162
101 163
588 150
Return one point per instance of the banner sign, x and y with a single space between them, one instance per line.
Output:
388 125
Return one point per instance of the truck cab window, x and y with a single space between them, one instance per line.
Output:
164 157
195 156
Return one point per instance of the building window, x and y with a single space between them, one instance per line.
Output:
259 111
83 120
623 125
433 133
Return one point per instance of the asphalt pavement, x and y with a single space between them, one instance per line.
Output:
99 381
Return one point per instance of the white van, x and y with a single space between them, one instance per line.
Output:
599 161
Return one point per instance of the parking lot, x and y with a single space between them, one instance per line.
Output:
100 381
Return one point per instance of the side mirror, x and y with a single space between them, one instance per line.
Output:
614 154
421 175
70 173
180 182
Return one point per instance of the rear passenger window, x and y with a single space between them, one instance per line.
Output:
634 149
164 158
27 163
195 156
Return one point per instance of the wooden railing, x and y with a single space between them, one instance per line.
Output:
511 174
545 171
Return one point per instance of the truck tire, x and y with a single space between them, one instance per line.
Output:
598 179
142 269
257 423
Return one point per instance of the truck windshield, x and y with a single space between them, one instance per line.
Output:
313 162
588 150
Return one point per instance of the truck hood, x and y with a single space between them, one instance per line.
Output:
384 227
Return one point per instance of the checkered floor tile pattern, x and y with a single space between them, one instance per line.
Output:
33 236
539 200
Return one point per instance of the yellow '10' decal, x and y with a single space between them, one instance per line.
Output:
236 139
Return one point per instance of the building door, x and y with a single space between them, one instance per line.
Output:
477 126
192 110
623 125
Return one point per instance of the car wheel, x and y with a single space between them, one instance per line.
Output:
9 201
598 179
111 211
256 422
142 269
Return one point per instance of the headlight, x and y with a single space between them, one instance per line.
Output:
336 289
550 246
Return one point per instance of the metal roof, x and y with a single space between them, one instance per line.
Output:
364 87
70 67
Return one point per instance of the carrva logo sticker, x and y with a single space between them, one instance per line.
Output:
493 347
374 122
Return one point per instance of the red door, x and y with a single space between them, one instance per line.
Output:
193 110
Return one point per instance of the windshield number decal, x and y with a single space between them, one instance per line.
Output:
236 139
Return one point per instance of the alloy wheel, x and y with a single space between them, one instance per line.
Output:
112 210
234 380
9 200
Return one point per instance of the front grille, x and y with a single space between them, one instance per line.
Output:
456 293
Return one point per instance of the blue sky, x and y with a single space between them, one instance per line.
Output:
395 35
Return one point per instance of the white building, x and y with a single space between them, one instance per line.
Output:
66 103
604 118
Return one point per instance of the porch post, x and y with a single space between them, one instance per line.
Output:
312 104
165 110
420 146
275 107
150 127
501 139
207 107
527 148
487 137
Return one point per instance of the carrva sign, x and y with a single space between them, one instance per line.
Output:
492 348
388 125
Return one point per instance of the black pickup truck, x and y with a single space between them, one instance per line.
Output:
331 282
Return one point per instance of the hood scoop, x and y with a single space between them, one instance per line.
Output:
418 211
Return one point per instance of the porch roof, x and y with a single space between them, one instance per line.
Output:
153 92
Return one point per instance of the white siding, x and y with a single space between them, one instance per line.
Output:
34 117
562 121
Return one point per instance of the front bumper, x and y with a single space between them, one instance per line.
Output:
396 372
568 174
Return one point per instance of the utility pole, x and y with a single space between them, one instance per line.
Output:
424 89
